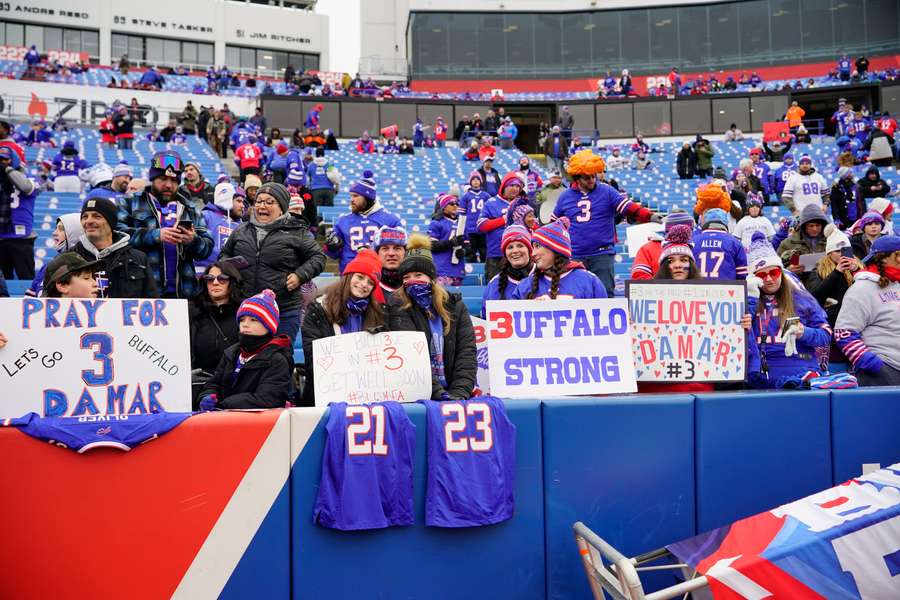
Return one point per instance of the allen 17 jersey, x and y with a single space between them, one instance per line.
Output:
366 467
81 434
471 463
719 255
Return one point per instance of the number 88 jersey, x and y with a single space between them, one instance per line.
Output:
471 463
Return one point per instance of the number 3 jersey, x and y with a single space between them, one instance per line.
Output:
471 463
366 467
81 434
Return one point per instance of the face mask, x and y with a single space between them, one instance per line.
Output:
420 293
357 306
252 343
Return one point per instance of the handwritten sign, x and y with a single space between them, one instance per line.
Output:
559 347
483 376
363 367
76 357
688 331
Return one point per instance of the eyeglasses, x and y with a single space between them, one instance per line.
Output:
770 274
266 202
221 278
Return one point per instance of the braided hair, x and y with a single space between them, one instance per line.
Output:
556 271
879 259
503 282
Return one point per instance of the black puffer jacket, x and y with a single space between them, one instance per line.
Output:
213 330
263 381
873 188
460 365
286 249
127 271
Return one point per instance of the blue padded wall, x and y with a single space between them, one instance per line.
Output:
500 561
624 466
757 450
865 428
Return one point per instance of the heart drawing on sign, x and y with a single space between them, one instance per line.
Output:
731 293
419 346
325 362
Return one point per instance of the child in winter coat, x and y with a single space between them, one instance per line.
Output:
255 372
446 245
752 222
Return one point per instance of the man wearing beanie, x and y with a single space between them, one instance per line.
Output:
164 224
122 176
124 272
646 262
195 188
222 216
255 372
390 244
280 253
355 230
719 255
805 187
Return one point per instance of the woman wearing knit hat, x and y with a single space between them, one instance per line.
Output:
869 228
255 372
868 325
788 325
279 253
555 274
676 263
354 303
833 274
424 305
493 219
515 266
521 213
446 243
646 262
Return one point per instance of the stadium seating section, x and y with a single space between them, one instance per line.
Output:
101 76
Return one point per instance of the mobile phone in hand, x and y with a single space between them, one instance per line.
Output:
847 252
186 224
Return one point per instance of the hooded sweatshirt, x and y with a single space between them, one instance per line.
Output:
71 223
868 326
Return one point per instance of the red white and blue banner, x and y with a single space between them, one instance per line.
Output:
843 542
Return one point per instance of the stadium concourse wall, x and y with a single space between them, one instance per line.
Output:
613 118
222 505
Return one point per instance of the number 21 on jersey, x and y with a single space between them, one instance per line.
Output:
456 425
361 441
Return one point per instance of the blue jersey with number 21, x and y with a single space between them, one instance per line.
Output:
366 468
471 463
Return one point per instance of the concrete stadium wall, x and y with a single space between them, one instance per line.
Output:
222 506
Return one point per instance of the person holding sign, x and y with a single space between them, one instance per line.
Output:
555 274
514 268
788 324
354 303
255 372
424 305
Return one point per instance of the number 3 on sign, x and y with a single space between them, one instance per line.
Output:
457 414
368 415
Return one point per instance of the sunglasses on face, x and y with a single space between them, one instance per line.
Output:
221 278
770 274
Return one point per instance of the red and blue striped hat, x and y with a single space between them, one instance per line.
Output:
263 308
555 236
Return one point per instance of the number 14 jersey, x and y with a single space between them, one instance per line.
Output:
471 463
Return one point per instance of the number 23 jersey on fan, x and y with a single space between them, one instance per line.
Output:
471 463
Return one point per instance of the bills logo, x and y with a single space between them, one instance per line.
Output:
104 430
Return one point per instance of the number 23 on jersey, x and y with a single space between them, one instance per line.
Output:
458 436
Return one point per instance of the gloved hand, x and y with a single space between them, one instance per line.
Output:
208 402
754 284
459 253
334 241
657 218
457 241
